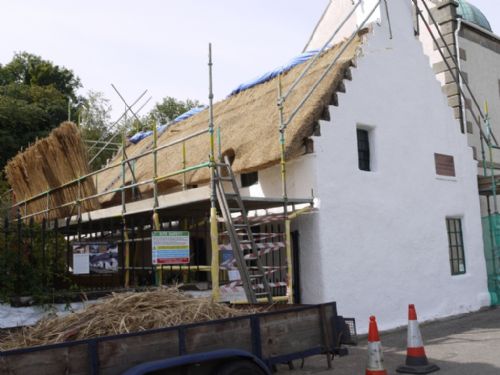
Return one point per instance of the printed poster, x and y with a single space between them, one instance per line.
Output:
95 257
170 247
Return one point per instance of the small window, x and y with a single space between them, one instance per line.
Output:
249 179
463 54
456 246
363 150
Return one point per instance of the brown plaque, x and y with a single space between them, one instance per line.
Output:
445 165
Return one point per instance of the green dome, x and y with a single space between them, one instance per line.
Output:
472 14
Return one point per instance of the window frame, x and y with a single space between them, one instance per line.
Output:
364 162
456 248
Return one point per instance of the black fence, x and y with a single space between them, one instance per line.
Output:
37 258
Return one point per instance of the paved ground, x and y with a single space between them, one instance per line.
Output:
467 345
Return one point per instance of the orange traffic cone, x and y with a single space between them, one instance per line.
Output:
375 364
416 360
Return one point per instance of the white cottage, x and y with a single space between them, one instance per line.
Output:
385 234
397 216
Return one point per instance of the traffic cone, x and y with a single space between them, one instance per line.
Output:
375 364
416 360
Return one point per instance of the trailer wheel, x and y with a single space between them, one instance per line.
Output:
240 367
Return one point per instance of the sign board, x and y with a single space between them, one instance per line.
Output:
170 247
94 257
232 294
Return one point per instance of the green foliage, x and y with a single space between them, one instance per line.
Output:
169 108
31 70
34 96
5 197
28 267
95 116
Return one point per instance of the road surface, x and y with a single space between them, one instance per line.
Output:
465 345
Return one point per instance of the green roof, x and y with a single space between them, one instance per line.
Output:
472 14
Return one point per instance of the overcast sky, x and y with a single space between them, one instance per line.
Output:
161 45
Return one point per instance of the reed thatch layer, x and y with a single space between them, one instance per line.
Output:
122 313
50 162
249 123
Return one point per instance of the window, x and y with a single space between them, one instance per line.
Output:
363 150
248 179
462 54
456 244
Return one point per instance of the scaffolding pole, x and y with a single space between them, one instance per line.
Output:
288 245
457 78
214 234
490 152
156 217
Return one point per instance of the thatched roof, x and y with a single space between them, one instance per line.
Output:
249 128
249 123
49 163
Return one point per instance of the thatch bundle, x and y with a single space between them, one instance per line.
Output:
249 124
50 162
122 313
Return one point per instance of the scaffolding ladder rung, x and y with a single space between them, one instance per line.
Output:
224 178
256 276
263 294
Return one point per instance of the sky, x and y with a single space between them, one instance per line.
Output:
162 45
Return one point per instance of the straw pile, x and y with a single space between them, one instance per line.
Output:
249 125
122 313
50 162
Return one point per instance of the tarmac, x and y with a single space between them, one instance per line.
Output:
464 345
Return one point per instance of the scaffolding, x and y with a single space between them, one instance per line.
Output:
214 159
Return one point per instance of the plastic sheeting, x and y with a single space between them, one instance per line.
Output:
139 136
188 114
303 57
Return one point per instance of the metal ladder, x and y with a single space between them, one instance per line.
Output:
247 257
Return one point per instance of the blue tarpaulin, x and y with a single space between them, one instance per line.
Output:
188 114
139 136
303 57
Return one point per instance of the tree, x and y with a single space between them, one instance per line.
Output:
32 70
169 108
95 116
34 96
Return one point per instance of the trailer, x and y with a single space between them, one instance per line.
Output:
249 344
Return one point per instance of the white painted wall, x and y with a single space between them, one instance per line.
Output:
301 180
379 240
427 41
336 12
